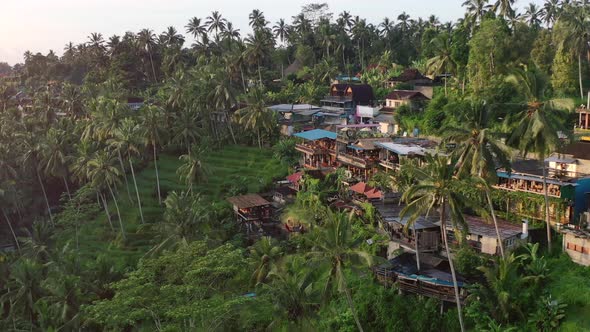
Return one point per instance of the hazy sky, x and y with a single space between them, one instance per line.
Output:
41 25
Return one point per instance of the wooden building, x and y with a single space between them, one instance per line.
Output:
414 99
432 279
576 243
356 149
318 149
483 238
583 118
251 209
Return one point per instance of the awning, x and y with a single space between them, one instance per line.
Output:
358 148
564 160
533 178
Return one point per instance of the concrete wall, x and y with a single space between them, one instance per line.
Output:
577 248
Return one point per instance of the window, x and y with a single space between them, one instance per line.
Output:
397 104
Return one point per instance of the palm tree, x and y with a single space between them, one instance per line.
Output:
31 158
443 61
574 35
479 152
437 187
539 124
152 122
335 246
126 142
504 8
24 288
183 216
259 46
196 28
193 170
255 116
551 11
186 129
54 156
532 15
346 18
171 37
147 40
217 23
102 173
281 30
476 10
257 19
265 252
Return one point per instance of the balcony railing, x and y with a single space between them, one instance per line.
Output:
389 165
354 161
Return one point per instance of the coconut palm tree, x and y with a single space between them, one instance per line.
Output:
504 8
575 36
103 173
538 124
24 289
265 252
54 156
281 30
334 245
551 11
257 19
193 170
152 123
171 37
476 10
31 157
196 28
437 187
479 151
532 15
443 61
256 116
258 47
216 23
126 142
146 41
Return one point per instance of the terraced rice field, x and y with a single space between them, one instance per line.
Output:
251 166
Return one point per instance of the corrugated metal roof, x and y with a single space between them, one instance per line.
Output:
313 135
402 149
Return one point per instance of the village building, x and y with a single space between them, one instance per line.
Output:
412 78
423 232
318 149
583 117
293 117
411 98
356 149
251 210
576 243
339 107
363 192
393 154
482 237
431 278
387 124
568 184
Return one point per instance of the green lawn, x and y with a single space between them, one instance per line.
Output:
256 167
570 283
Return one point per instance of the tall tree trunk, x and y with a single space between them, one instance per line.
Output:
136 191
67 187
118 212
259 142
231 130
120 157
350 302
157 174
443 230
243 80
11 230
152 62
259 72
106 211
491 206
44 195
580 75
546 196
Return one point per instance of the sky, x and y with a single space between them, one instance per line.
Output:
41 25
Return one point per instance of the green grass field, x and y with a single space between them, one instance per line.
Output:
256 168
570 284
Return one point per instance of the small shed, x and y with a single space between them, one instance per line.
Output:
251 208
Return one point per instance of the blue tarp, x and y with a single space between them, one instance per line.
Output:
358 148
316 134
